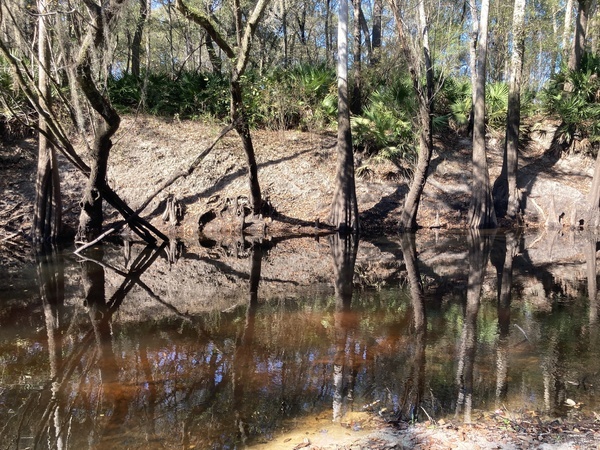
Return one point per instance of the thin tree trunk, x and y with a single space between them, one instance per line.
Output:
473 58
344 208
240 122
356 103
376 31
506 193
364 26
47 216
284 30
408 217
481 210
566 38
593 197
136 43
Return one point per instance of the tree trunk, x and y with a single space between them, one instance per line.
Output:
593 197
356 104
47 214
408 217
506 193
136 43
481 210
566 47
240 122
91 217
344 208
376 31
473 58
578 48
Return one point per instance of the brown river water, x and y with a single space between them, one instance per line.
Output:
229 345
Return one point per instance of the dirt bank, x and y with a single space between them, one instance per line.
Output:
296 171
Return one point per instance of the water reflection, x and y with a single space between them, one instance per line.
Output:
115 351
346 360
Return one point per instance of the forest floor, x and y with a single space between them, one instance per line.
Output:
296 172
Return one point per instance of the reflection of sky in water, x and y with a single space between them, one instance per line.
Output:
209 375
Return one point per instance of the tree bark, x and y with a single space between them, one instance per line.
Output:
583 11
408 217
344 208
356 104
239 60
506 193
376 31
136 43
593 197
47 214
566 37
481 209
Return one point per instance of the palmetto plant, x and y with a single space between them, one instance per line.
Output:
574 97
385 127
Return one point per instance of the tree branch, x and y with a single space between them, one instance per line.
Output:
201 19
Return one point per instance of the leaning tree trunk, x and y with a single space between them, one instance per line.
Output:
408 217
47 214
91 216
481 210
505 192
344 208
240 123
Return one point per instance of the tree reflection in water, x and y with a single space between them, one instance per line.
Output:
344 248
479 246
415 384
420 346
504 250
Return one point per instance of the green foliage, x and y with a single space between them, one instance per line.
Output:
454 101
496 105
302 97
385 127
574 97
190 95
14 106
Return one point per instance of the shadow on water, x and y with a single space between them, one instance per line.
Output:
115 353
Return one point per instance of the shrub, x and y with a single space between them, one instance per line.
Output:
385 126
574 97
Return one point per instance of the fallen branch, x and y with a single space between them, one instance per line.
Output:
134 215
185 172
8 238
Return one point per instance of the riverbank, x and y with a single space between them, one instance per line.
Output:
296 171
